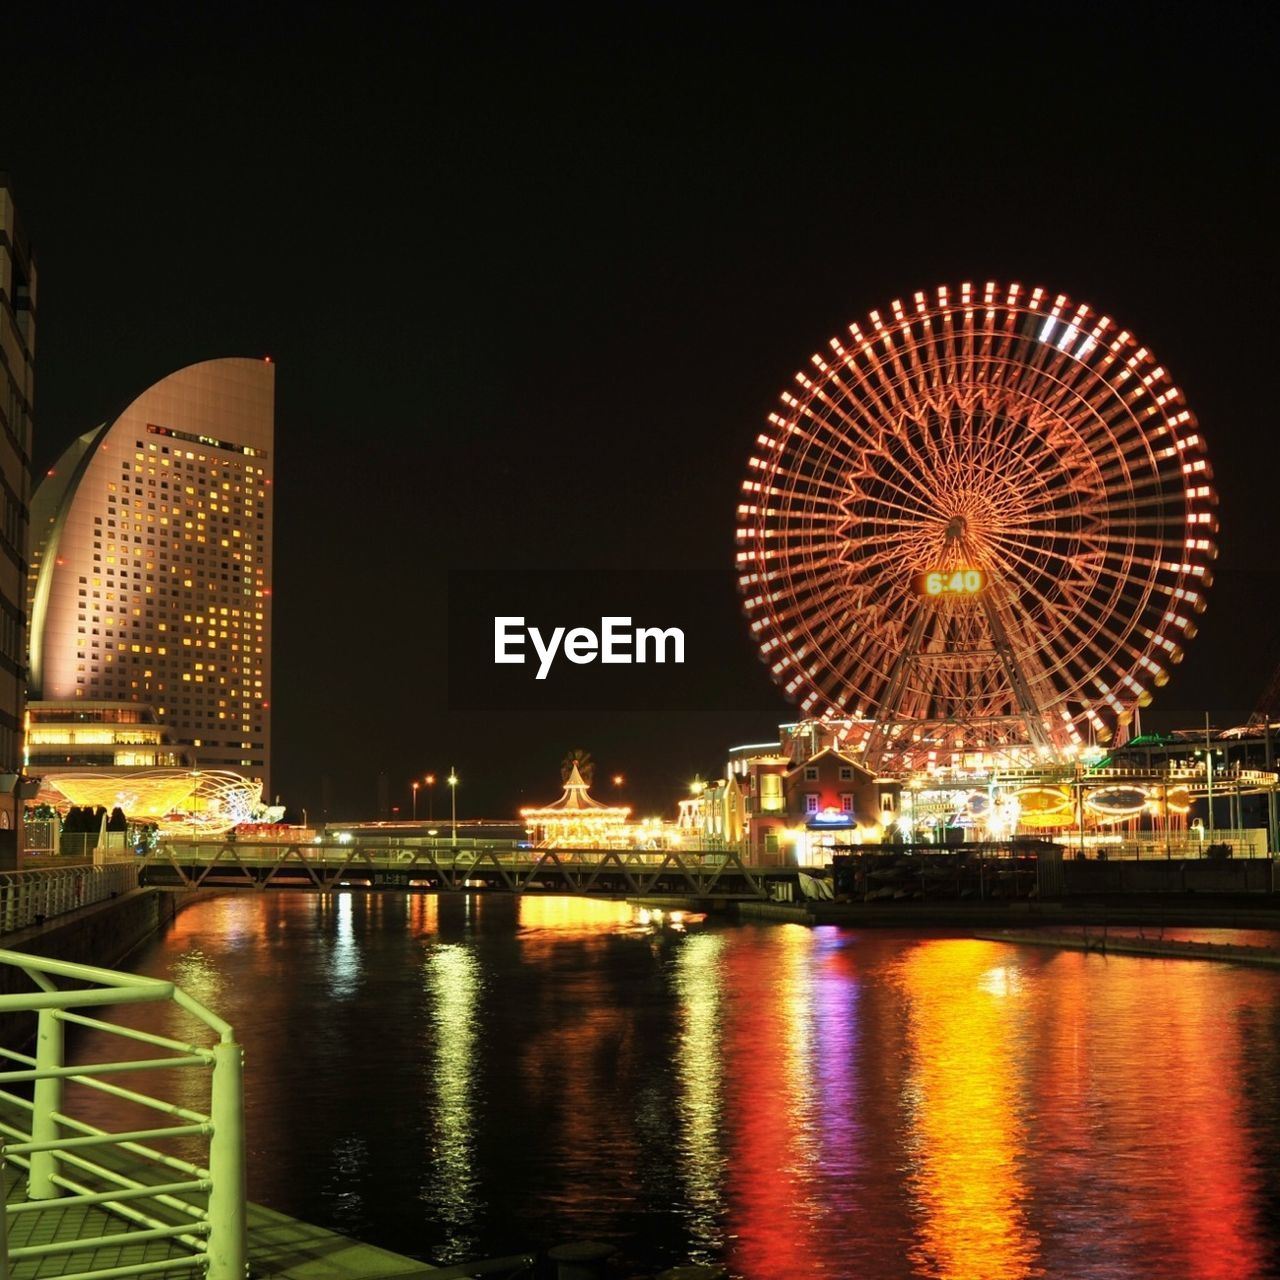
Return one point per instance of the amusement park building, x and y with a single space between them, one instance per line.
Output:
17 359
577 818
795 791
150 578
801 800
72 736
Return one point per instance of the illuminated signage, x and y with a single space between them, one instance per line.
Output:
949 582
831 817
212 441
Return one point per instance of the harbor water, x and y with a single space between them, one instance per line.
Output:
455 1077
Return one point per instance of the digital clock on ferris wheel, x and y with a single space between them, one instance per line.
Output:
949 582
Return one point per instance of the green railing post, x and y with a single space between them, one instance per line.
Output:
4 1215
48 1101
228 1237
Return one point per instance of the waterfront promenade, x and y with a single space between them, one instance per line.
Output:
1105 942
1027 870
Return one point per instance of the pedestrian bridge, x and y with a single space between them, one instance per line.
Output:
440 866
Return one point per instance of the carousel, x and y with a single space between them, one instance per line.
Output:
577 819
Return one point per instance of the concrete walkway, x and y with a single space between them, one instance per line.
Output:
1128 944
285 1249
280 1248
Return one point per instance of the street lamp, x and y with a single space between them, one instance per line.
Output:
414 785
453 803
1208 753
1208 776
698 789
195 784
430 780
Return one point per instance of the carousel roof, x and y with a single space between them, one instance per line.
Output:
576 802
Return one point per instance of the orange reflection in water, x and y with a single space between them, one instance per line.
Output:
1147 1107
572 915
962 1092
579 1039
775 1182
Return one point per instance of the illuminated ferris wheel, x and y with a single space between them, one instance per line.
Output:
984 521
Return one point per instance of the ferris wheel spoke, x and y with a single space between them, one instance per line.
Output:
876 487
1084 607
1082 622
858 390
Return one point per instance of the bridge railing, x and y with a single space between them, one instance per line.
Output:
38 894
404 849
192 1211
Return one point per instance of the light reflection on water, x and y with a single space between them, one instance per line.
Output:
964 1106
699 977
451 1191
450 1077
344 959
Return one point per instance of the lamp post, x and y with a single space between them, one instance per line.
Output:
453 803
1080 805
697 789
414 786
195 784
430 780
1208 774
1208 778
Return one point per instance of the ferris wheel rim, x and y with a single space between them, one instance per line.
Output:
818 516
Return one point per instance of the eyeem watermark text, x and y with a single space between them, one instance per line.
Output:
617 642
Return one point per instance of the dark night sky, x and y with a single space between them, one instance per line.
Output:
533 277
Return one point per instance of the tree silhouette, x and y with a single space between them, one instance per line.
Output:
586 766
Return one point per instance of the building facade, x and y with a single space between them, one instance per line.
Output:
150 578
831 788
17 390
71 736
799 800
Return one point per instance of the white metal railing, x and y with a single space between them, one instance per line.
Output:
95 846
1247 842
31 896
199 1209
40 838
